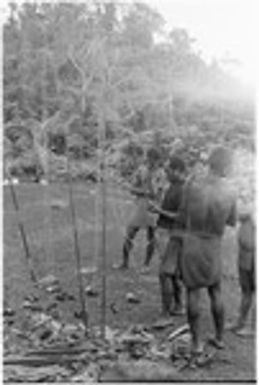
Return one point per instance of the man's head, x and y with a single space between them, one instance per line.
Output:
220 161
153 157
175 169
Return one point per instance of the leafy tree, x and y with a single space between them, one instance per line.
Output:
78 69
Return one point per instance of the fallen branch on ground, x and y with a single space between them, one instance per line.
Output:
182 329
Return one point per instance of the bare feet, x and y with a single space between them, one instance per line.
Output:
244 332
145 269
121 267
233 326
197 350
240 329
178 311
218 344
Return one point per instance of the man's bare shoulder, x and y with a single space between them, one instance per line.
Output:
200 184
229 188
195 181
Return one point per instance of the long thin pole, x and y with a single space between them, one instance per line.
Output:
22 232
103 219
84 314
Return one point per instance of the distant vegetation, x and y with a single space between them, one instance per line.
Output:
73 71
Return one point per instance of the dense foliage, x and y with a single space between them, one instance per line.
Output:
74 71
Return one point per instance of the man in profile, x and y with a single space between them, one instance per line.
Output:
146 185
209 204
246 271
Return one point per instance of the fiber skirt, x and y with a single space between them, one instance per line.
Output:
141 217
200 262
169 251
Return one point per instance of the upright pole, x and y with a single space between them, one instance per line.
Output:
84 314
103 219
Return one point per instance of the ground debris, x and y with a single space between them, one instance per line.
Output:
53 373
139 370
31 305
31 298
50 284
132 298
180 330
91 291
90 374
88 270
48 281
8 312
136 341
133 354
180 347
163 323
39 329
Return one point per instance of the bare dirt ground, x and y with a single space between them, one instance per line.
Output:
46 216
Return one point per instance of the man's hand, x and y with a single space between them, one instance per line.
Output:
153 207
140 192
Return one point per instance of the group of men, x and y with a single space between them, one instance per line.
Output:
185 216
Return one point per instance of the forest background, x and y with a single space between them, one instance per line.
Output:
74 71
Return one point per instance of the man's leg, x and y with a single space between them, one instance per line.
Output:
193 315
247 294
128 244
150 245
246 302
217 311
178 295
166 292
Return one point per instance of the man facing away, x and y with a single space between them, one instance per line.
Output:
209 205
147 184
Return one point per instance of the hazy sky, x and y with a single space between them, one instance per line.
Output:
223 28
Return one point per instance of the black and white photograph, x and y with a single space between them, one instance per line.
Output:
129 191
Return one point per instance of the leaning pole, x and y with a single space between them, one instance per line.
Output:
22 232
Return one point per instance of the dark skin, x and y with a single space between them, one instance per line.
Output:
193 302
170 284
132 231
217 308
151 164
247 298
172 175
193 315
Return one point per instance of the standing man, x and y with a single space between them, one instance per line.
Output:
246 271
170 244
209 205
147 184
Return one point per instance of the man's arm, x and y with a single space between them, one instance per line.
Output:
233 216
157 209
138 185
183 209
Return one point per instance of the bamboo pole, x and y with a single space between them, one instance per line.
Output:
84 314
103 192
103 181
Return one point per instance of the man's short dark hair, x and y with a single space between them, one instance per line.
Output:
220 159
